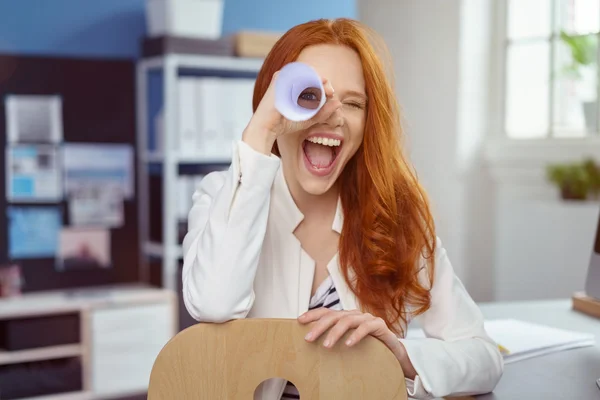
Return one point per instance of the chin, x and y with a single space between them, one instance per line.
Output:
316 187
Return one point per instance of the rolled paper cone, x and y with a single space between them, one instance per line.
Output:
292 80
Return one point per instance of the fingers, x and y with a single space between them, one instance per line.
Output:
344 324
313 315
274 77
338 323
326 321
372 326
330 107
328 88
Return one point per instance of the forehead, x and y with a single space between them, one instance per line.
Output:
340 64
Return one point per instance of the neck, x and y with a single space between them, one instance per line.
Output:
322 206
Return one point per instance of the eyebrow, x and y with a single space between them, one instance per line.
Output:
356 93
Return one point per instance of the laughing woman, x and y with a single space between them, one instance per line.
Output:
325 221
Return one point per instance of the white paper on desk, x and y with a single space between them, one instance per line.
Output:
526 340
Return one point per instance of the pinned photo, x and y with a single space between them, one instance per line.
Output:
83 249
33 231
96 205
34 119
100 165
33 173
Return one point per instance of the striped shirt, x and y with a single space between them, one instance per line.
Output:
325 296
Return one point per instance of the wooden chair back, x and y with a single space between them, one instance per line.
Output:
229 361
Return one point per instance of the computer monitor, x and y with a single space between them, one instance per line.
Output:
592 283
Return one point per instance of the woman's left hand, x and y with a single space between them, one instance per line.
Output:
339 322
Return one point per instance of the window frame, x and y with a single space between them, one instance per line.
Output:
503 43
514 160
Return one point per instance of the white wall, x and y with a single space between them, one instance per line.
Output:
506 234
543 245
441 81
423 38
544 248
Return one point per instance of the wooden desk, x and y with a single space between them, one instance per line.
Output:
568 374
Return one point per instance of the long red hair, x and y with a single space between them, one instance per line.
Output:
385 242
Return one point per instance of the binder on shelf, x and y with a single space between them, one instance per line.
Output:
189 130
184 199
186 186
237 99
155 143
196 182
213 106
212 112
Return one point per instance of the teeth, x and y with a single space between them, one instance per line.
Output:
325 141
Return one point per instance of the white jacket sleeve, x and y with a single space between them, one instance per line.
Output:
457 357
226 228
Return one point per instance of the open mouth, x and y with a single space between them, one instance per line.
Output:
320 154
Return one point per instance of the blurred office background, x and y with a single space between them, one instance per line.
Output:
114 110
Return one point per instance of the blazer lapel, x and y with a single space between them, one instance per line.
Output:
291 265
347 298
287 217
306 276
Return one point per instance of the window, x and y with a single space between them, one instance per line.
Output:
551 73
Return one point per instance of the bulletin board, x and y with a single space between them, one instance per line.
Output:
98 108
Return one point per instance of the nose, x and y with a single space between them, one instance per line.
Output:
336 118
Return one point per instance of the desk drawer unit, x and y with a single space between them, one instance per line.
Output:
125 343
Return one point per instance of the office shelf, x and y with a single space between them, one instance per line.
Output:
135 317
159 157
43 353
65 396
203 62
172 67
154 249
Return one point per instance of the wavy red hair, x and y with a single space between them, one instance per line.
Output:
385 242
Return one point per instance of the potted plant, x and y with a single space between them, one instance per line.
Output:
583 49
576 181
593 172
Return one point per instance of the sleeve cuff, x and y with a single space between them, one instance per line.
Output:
252 168
415 389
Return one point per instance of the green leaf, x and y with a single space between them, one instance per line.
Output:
583 50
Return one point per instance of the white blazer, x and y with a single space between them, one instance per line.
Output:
242 260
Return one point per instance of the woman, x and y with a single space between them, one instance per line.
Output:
325 221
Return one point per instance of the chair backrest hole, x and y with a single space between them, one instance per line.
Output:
291 392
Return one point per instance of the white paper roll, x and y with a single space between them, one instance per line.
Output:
292 80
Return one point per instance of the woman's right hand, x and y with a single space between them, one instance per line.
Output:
267 124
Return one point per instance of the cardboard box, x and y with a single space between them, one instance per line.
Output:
254 44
